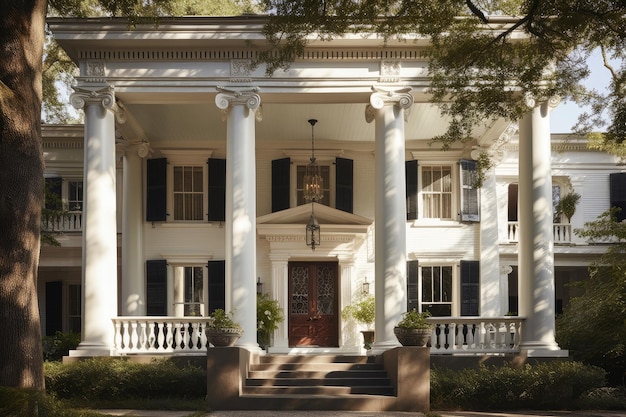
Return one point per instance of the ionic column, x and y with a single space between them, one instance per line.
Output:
99 275
387 109
240 107
133 273
536 240
346 267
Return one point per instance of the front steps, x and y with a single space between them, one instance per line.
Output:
396 380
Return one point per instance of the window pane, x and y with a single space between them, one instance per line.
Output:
437 284
187 179
178 179
179 207
427 284
446 181
446 284
446 207
427 180
198 176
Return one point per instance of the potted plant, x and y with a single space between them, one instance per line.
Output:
567 205
413 329
222 330
363 312
268 316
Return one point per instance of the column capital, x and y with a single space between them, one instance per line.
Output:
231 96
143 149
551 102
100 93
505 269
383 96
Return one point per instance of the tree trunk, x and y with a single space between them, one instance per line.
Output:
21 191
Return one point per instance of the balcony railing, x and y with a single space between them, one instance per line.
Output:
562 232
153 335
475 335
71 221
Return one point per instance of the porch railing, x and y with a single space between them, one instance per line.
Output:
475 335
71 221
153 335
562 232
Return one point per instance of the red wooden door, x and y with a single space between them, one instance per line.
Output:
313 304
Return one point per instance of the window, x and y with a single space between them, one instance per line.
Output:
75 195
437 290
324 172
188 193
437 192
74 308
194 291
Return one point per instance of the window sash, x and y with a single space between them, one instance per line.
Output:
75 195
437 287
188 193
437 192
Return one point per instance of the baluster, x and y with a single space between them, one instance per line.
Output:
203 339
178 336
194 335
134 339
169 336
143 336
116 338
151 341
126 336
453 338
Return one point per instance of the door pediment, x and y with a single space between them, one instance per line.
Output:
292 221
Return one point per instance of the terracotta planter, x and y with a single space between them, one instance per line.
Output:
368 338
412 337
223 337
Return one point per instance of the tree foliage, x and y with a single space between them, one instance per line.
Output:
593 326
481 68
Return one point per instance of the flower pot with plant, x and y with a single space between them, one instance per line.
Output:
363 312
567 205
268 316
413 329
222 330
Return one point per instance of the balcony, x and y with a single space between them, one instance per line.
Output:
562 233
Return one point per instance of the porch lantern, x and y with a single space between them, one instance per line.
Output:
313 192
365 289
312 230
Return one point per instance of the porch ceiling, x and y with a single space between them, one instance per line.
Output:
191 124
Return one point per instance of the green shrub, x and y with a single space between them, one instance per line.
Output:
112 379
27 403
547 385
59 345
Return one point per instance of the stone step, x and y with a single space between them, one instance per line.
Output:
315 359
307 401
309 366
272 374
336 391
347 382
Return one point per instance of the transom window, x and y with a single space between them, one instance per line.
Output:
437 290
437 192
188 193
324 172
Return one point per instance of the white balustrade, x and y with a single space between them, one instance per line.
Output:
71 221
154 334
476 335
562 232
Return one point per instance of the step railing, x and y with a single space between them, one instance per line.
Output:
153 335
562 232
475 335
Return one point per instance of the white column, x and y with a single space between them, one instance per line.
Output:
133 273
578 219
346 266
280 293
99 275
240 106
536 240
179 290
387 108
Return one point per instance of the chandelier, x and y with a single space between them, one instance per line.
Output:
313 192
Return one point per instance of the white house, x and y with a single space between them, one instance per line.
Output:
186 193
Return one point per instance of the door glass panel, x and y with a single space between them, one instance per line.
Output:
300 290
325 290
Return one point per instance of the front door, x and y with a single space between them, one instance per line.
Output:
313 304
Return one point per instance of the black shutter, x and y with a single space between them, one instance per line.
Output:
156 288
54 307
217 285
412 282
53 196
470 288
217 189
280 184
156 190
411 189
618 193
469 192
344 184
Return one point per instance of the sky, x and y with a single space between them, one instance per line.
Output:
565 115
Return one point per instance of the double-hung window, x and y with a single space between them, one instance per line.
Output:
188 192
437 192
75 195
437 290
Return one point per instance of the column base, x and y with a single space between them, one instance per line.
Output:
542 350
87 350
378 348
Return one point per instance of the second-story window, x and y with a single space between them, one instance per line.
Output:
75 195
188 193
437 192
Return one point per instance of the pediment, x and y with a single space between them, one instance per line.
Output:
330 219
